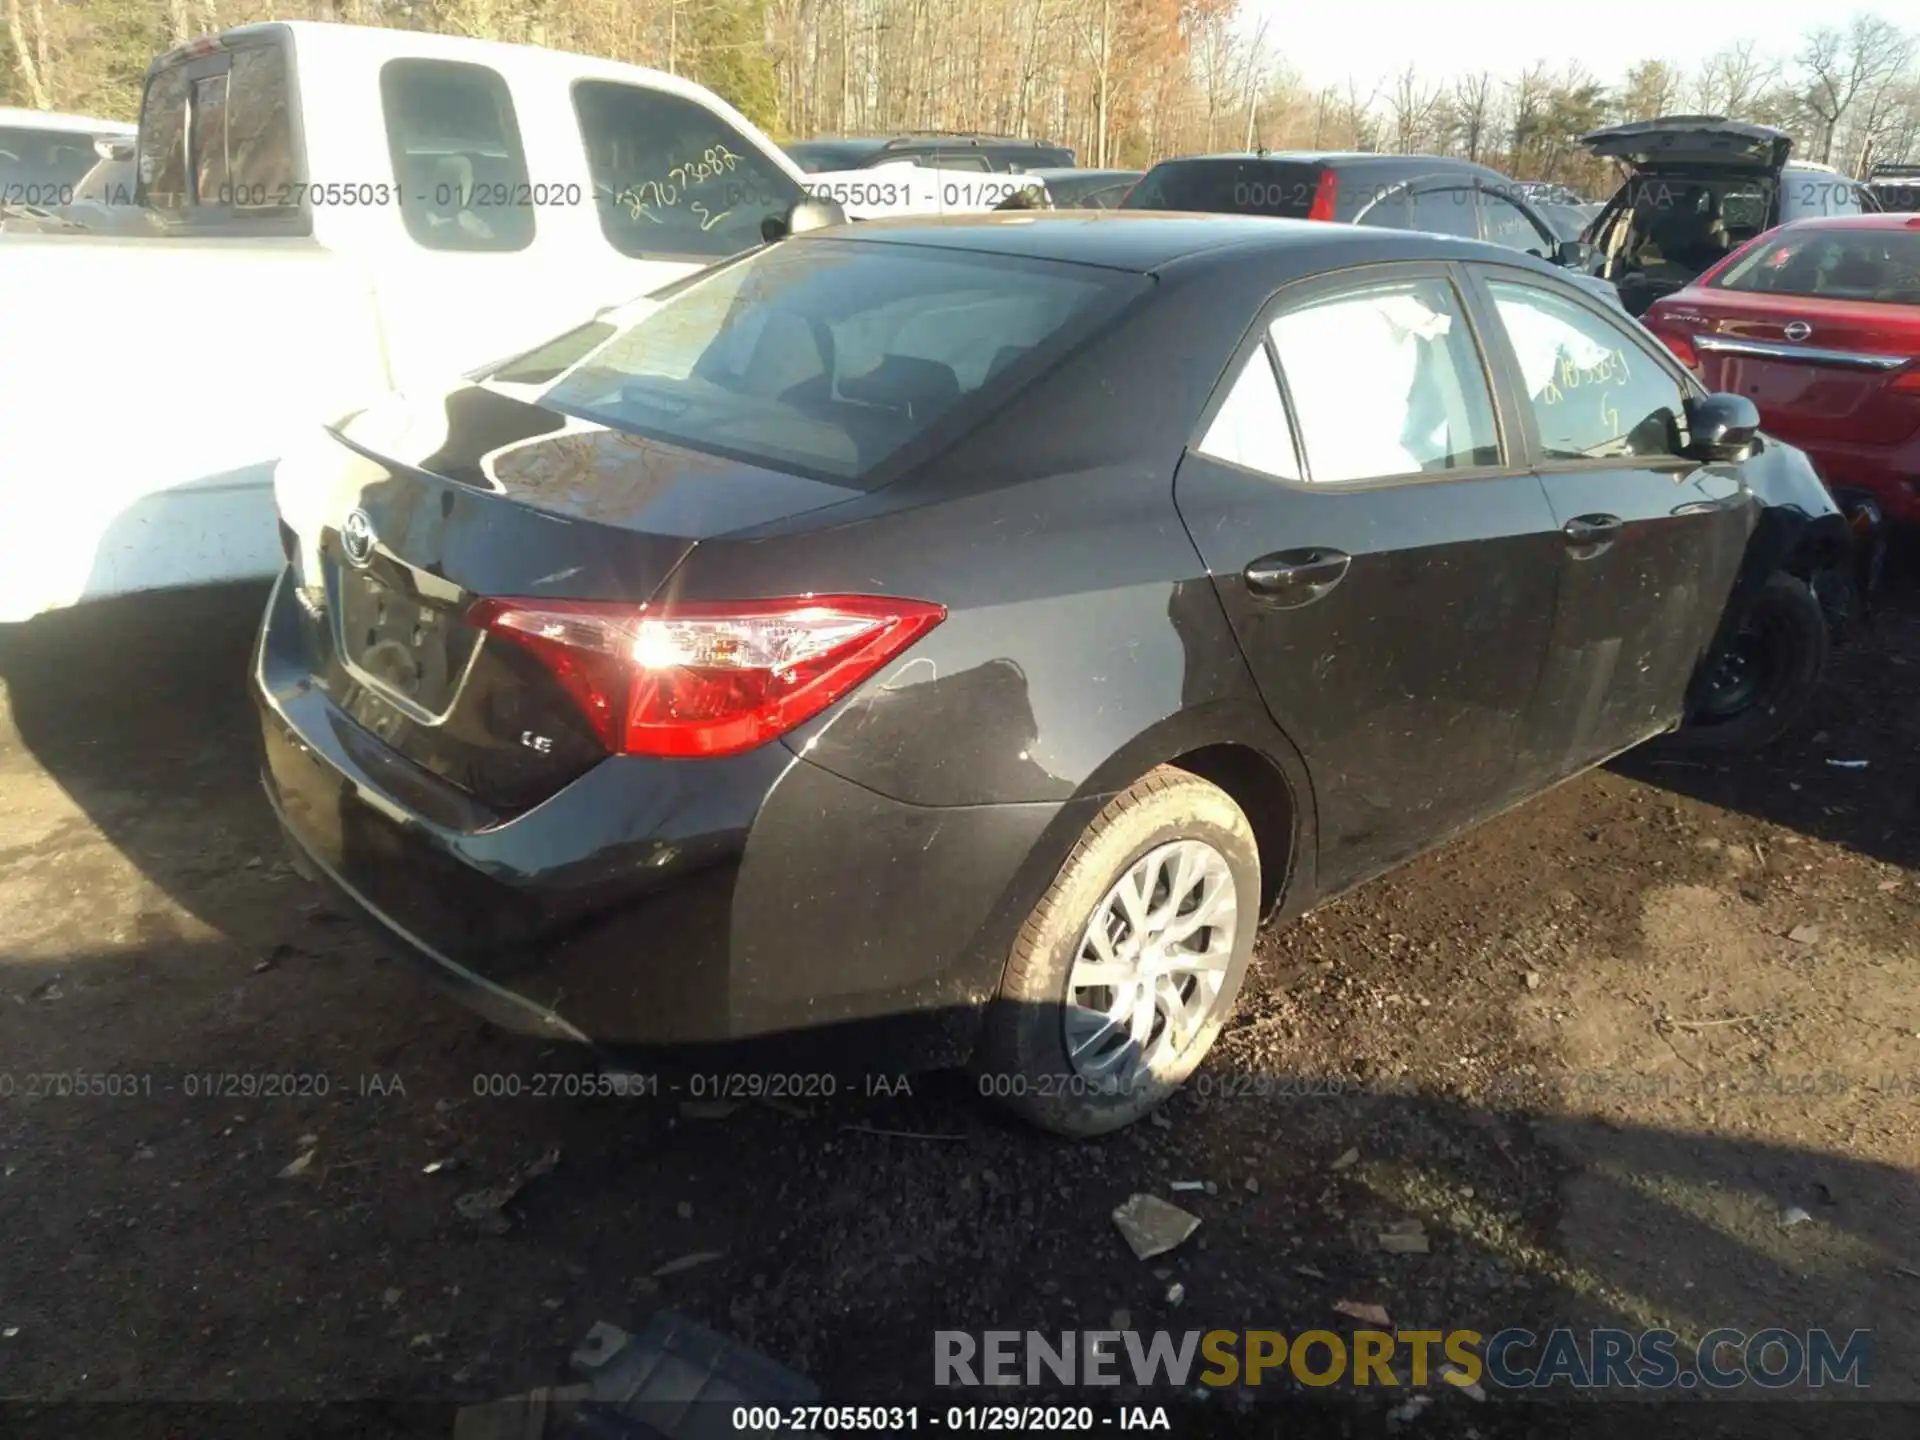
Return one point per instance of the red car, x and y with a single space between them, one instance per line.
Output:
1818 323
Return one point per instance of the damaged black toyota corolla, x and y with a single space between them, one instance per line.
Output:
945 642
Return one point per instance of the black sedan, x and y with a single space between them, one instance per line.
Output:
947 641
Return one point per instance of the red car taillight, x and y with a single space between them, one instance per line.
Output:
1682 348
707 679
1908 380
1323 196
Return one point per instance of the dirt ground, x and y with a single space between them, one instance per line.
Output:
1599 1047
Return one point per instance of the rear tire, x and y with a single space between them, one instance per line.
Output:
1768 673
1177 853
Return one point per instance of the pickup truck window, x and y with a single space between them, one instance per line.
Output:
457 157
207 139
163 140
261 165
216 139
670 177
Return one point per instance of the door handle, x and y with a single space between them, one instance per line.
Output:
1598 531
1297 577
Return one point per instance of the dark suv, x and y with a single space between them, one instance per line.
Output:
1434 193
934 150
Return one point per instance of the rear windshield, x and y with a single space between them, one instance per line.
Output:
1850 264
826 357
814 156
1228 187
41 167
1806 193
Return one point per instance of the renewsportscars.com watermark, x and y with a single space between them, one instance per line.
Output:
1512 1359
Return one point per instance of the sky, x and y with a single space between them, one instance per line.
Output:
1328 40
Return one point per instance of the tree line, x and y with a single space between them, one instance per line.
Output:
1124 82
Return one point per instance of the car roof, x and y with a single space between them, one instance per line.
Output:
14 117
1076 172
1143 241
1344 158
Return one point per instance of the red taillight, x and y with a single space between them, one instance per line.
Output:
1908 380
1682 348
707 679
1323 196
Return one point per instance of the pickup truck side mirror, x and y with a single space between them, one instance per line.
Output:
1722 427
809 212
109 147
1574 255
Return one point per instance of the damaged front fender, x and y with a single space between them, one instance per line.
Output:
1802 530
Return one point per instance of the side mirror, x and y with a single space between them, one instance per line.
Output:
809 212
1573 254
1721 427
111 148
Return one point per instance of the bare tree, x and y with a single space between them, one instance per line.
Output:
1412 105
1472 112
1838 67
30 52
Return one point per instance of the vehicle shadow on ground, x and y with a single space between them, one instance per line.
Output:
836 1232
138 709
1847 771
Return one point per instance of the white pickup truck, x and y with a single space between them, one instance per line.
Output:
330 213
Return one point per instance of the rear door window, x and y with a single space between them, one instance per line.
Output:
1502 222
1386 380
827 357
1250 428
1446 210
1392 211
457 158
671 177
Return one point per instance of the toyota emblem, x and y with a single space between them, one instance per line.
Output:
1798 330
357 537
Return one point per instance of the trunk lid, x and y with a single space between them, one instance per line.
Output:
413 512
1692 140
1818 369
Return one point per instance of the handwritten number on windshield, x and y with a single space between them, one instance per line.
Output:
669 190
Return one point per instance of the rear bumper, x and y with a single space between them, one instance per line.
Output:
1889 473
665 904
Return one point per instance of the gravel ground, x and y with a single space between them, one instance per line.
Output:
1597 1048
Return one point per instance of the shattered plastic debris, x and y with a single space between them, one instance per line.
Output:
1363 1310
1404 1237
298 1166
1347 1158
487 1208
1404 1414
1794 1215
1457 1378
1152 1226
687 1262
